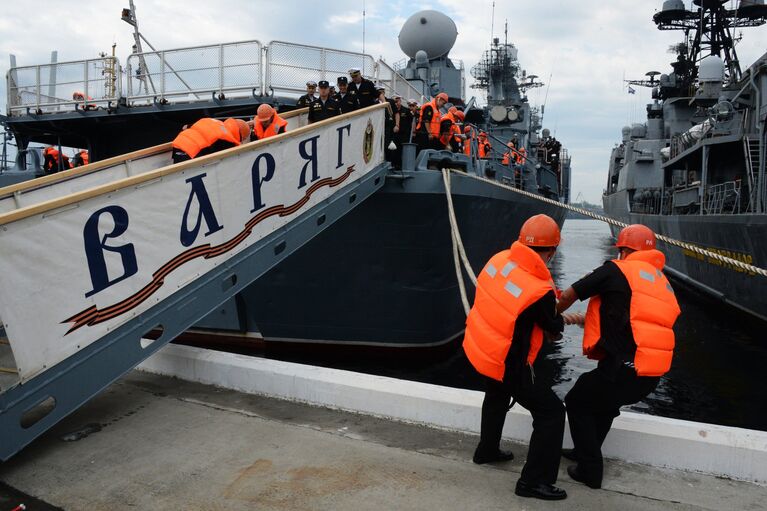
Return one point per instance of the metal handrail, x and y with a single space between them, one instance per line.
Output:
42 101
164 93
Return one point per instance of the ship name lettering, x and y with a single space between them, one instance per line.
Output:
96 246
205 210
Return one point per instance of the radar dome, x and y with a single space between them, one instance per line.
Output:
431 31
673 5
711 69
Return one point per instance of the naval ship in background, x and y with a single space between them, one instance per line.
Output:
383 275
695 171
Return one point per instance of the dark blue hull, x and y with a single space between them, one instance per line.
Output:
384 275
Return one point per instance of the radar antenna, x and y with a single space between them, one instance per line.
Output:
708 30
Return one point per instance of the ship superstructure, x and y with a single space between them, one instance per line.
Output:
695 170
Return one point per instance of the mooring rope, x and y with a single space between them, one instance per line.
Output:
671 241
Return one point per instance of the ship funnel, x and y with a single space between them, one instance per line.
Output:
431 31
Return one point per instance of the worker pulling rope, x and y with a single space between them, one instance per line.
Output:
687 246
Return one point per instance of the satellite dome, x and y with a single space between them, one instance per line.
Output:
711 69
431 31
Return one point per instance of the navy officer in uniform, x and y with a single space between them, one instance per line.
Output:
307 98
346 99
323 107
363 88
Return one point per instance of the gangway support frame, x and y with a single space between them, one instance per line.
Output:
74 381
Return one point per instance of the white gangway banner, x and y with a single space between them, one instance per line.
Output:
74 268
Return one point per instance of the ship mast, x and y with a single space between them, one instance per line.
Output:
708 30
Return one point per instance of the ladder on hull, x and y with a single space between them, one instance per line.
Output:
64 360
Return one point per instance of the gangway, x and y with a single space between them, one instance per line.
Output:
88 270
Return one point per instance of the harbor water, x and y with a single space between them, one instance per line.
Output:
718 362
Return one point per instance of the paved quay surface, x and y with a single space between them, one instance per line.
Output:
153 442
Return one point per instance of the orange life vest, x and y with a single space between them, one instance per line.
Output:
511 282
204 133
436 118
467 143
652 312
444 136
269 131
521 156
507 155
483 147
83 157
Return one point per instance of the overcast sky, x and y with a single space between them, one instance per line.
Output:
581 49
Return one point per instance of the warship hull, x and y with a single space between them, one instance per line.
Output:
740 237
383 275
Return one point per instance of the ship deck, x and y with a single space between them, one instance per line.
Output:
163 443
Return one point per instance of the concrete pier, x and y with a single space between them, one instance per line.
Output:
155 442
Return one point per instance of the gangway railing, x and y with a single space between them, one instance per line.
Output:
84 277
106 171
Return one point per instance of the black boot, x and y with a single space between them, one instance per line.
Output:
541 491
576 475
499 455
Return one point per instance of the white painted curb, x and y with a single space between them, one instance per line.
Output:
656 441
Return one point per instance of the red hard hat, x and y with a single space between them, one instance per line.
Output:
539 231
636 236
459 115
264 112
443 96
467 129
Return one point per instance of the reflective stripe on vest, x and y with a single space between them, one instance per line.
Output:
510 283
271 130
204 133
652 312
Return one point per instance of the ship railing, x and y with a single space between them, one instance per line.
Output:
289 66
395 83
64 86
722 198
195 73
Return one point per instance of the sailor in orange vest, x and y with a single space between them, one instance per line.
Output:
514 308
446 124
268 123
508 154
53 161
207 136
469 135
628 328
427 129
483 146
521 156
81 159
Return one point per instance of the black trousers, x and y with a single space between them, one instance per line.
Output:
592 404
548 413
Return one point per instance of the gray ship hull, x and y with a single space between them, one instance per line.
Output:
741 237
384 275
